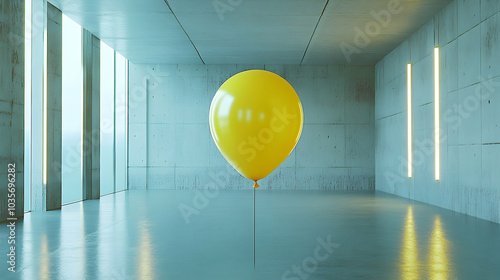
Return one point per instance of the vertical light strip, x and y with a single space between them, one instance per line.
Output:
45 105
126 121
436 114
409 117
82 115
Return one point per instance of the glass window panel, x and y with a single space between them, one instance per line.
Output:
27 107
72 111
107 119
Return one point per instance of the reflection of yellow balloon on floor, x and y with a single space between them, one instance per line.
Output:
256 119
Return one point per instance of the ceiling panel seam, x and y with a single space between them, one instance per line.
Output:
314 31
182 27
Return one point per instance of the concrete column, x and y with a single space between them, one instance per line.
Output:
12 106
54 109
91 115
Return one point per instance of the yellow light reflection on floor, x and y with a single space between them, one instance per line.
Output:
83 248
409 255
145 260
439 267
44 262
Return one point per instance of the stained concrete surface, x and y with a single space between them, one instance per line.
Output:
12 103
316 234
91 115
53 188
170 145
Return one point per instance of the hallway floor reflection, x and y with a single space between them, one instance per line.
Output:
299 235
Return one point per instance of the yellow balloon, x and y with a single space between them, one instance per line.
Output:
256 119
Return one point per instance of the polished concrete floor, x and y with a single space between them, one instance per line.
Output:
299 235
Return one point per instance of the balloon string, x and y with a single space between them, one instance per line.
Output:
254 225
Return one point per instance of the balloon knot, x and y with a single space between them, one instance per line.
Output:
256 185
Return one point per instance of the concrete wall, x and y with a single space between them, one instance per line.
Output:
468 34
170 145
12 102
53 190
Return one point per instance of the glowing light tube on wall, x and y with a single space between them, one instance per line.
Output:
409 117
436 113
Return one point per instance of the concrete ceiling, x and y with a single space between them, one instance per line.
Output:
250 31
